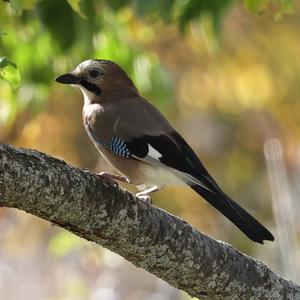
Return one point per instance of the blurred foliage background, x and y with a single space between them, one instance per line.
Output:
226 73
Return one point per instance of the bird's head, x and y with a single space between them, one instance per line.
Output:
100 80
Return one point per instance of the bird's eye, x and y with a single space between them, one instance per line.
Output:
95 73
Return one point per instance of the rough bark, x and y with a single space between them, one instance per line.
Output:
149 237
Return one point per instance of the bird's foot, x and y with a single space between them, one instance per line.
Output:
108 179
144 197
112 178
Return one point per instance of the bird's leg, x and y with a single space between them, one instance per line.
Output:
144 195
112 178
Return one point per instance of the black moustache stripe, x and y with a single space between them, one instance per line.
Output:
91 87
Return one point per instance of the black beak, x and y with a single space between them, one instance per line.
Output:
68 78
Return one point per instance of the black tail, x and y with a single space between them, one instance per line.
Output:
236 214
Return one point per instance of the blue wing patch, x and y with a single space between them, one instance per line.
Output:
118 146
115 144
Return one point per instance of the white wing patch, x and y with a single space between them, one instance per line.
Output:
153 153
162 174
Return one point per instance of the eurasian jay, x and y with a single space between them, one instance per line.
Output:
138 141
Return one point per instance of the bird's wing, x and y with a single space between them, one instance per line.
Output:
171 150
150 138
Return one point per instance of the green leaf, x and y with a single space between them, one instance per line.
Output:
62 27
75 4
10 73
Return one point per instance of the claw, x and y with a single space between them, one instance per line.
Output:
113 176
107 180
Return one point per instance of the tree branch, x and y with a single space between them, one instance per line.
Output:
147 236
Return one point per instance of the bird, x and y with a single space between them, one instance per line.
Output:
140 143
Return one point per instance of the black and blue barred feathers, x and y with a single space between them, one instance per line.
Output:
115 144
118 146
